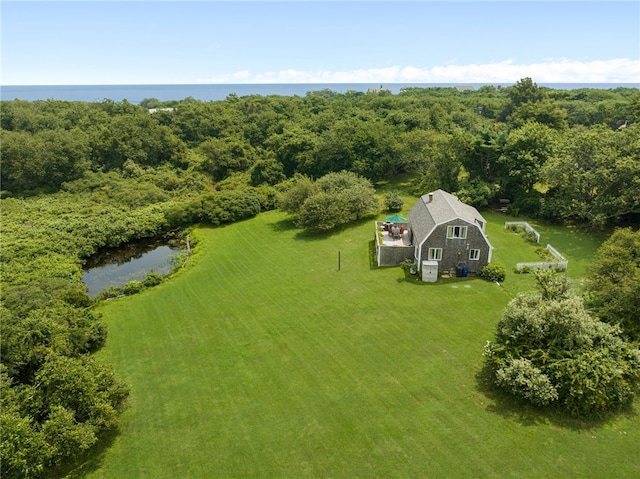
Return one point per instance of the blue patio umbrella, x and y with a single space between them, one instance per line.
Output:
396 219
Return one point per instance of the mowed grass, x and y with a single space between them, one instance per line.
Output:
262 359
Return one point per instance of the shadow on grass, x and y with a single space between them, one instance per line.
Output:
317 235
286 224
526 414
90 461
455 282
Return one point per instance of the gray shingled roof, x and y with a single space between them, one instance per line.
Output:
442 207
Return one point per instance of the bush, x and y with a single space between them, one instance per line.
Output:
493 272
152 279
521 378
132 287
548 349
393 202
407 265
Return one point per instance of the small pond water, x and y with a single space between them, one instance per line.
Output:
131 262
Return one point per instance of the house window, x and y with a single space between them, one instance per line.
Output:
457 232
474 254
435 254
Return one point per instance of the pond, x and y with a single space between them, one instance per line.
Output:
131 262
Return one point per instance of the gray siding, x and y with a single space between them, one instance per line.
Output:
456 250
393 255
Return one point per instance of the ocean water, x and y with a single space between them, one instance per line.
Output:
210 92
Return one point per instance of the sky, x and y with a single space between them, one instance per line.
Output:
298 41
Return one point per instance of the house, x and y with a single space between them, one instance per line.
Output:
382 89
444 230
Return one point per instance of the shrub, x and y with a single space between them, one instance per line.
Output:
407 265
152 279
521 378
393 202
493 272
132 287
549 349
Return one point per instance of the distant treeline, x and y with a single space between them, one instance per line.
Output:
564 154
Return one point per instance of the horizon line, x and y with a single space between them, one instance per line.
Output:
456 83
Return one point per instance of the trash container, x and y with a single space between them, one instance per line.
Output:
465 271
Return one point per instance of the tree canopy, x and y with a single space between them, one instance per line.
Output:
334 199
558 153
613 282
549 350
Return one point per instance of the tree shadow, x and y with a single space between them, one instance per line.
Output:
526 414
283 225
288 224
306 235
413 279
318 235
90 461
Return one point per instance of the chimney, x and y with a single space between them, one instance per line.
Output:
430 197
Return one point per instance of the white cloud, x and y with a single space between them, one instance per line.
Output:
620 70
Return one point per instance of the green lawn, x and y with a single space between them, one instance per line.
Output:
261 359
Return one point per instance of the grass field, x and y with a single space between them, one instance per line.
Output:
261 359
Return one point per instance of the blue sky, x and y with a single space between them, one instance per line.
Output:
147 42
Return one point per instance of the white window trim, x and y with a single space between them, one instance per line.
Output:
451 232
435 254
474 255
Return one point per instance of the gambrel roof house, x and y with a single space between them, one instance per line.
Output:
446 230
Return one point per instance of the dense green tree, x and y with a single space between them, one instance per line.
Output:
442 164
297 191
476 192
229 206
196 121
525 91
321 211
137 137
42 160
481 158
24 451
334 199
61 414
529 102
226 155
355 192
526 150
267 171
293 149
613 282
545 112
549 350
393 201
594 176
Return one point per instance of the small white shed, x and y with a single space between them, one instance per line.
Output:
430 271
